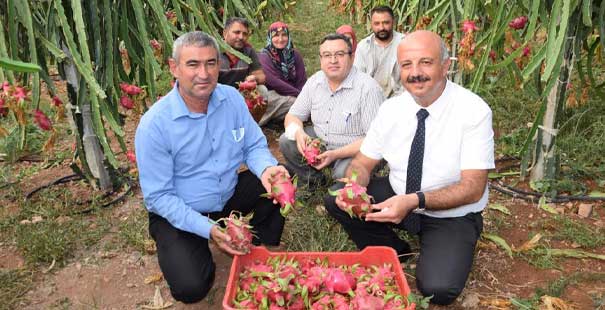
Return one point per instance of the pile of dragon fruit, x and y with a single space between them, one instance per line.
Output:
286 283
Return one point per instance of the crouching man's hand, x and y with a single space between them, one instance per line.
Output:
223 241
394 209
270 171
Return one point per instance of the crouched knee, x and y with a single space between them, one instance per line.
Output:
442 294
192 290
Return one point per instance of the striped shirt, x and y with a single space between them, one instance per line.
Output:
342 116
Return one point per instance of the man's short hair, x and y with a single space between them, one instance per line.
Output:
194 38
231 20
383 9
444 53
338 36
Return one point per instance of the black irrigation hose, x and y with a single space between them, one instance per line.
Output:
107 204
65 179
535 196
75 177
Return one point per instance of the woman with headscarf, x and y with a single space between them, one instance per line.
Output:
284 71
348 31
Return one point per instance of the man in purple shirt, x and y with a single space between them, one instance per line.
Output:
284 70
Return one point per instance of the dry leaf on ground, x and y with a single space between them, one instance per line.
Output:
158 301
153 278
530 244
554 303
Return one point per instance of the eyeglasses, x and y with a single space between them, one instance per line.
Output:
337 55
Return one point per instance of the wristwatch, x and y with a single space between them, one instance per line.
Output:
421 200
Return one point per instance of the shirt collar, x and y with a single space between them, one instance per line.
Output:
347 83
436 108
178 108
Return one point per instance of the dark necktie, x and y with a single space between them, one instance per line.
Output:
414 177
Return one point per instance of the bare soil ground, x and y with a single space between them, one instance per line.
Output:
98 279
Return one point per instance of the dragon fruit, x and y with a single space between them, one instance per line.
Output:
311 150
469 26
42 120
340 282
56 101
126 102
131 90
132 158
358 202
247 85
281 282
518 22
367 302
237 227
254 101
283 190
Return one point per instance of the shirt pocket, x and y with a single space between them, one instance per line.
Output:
347 122
233 141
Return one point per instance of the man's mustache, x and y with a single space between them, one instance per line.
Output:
417 79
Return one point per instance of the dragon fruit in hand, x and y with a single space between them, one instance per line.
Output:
358 202
311 150
284 191
239 229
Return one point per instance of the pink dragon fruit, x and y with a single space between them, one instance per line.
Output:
237 227
339 281
42 120
283 190
126 102
469 26
311 150
131 90
518 22
358 202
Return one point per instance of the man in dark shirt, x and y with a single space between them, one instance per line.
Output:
234 70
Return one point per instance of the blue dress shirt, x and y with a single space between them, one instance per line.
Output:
188 162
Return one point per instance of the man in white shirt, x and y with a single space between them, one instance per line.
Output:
341 102
437 186
376 54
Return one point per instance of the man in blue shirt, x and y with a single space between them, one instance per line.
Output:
189 146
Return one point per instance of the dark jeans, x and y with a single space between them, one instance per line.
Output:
185 258
447 245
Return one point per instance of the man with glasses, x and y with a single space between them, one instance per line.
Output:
341 102
376 54
189 146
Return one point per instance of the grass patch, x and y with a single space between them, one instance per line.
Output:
48 226
541 258
564 228
13 286
557 287
134 230
309 230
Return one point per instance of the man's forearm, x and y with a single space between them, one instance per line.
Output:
363 175
467 191
350 149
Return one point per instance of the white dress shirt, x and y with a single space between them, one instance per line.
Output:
459 136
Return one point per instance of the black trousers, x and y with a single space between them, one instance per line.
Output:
185 258
447 245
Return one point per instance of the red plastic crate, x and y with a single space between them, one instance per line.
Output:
372 255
